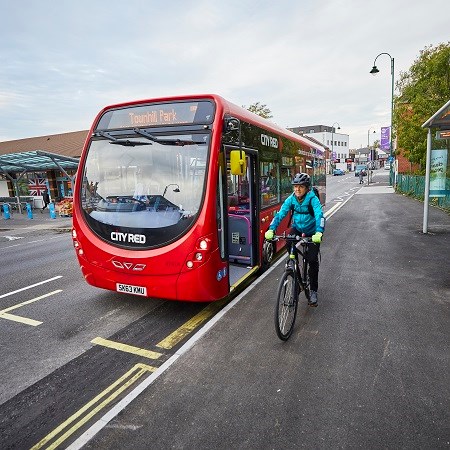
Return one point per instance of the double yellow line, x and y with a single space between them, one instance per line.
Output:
76 421
82 416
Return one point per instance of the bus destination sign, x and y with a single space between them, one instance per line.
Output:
157 114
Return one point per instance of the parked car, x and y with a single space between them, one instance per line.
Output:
338 172
361 168
387 166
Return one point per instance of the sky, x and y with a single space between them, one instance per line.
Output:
62 61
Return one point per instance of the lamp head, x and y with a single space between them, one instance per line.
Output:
374 70
177 189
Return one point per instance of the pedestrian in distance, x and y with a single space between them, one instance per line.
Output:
361 177
46 200
307 220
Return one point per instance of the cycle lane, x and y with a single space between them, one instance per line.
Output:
366 368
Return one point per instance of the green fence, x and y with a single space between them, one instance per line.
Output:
414 186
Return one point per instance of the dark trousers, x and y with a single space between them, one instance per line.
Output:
312 256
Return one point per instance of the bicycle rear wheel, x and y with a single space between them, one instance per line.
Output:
286 307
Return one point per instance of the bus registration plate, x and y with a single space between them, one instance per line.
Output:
130 289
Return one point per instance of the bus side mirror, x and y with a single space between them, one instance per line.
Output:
238 164
232 124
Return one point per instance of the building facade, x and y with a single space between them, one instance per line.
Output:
338 143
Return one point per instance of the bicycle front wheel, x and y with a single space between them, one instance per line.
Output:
286 308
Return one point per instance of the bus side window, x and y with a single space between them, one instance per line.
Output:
269 183
285 185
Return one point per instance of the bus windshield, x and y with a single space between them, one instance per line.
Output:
137 183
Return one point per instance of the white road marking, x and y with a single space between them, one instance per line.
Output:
31 286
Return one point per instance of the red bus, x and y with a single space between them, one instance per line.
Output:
173 196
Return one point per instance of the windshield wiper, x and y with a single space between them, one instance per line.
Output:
145 134
179 142
124 142
128 143
105 135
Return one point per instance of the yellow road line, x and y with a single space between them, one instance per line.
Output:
15 318
126 348
331 210
4 315
247 275
19 305
113 391
181 332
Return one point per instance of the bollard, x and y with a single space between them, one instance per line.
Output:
51 208
29 210
6 211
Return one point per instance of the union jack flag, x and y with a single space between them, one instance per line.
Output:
37 186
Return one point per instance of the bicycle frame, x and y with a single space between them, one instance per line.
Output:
301 245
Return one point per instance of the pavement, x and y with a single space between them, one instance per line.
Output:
367 368
40 221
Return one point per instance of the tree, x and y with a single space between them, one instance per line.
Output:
261 110
422 91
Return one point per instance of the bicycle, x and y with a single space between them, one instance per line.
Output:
294 280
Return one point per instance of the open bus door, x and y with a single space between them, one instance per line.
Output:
242 237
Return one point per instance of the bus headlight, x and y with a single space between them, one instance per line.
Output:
203 244
190 264
198 256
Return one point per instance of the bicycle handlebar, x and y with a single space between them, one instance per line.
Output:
293 237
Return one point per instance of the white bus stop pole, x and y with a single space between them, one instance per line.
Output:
427 184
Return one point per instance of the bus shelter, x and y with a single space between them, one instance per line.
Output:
437 160
16 165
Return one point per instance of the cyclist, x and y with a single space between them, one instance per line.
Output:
307 218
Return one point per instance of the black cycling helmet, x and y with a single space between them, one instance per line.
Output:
302 178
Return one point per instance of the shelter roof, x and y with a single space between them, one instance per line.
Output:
36 161
43 152
440 119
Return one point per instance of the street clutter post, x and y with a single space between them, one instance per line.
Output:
6 211
29 210
51 209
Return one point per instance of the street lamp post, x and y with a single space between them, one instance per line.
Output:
374 71
332 140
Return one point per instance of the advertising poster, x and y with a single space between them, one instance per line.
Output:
438 170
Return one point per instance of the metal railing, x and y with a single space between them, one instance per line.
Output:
18 204
414 186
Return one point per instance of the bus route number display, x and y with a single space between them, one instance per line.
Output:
181 113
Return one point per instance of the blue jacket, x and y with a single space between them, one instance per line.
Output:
302 220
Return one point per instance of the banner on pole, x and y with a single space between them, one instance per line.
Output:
385 138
